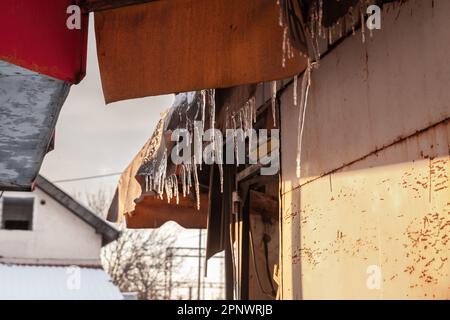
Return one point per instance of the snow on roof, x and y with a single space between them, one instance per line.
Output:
20 282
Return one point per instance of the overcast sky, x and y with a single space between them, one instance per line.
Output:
93 138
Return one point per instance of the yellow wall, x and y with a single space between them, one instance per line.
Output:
374 192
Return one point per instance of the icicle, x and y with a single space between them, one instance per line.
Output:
175 186
241 124
280 17
245 112
220 163
189 179
183 179
221 177
306 83
236 145
213 114
352 20
197 187
168 187
253 107
363 28
197 142
274 101
320 17
284 47
203 94
295 90
250 112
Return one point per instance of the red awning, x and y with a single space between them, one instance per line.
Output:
34 35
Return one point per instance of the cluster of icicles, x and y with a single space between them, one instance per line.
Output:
318 33
158 182
243 118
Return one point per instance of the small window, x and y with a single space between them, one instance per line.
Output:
17 213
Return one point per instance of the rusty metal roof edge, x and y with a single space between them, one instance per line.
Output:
102 5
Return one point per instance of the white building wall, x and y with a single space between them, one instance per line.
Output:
58 236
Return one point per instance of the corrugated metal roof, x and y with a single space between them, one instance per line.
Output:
55 283
29 107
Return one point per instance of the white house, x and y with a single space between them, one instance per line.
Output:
50 247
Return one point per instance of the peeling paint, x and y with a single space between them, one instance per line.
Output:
29 107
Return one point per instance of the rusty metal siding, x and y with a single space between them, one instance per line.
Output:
375 183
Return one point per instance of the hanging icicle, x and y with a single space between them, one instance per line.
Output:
295 90
306 83
203 102
284 47
212 103
188 177
320 22
252 102
197 186
363 23
280 17
220 162
183 179
175 187
274 102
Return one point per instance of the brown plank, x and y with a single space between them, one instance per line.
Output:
183 45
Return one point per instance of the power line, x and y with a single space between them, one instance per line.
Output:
89 177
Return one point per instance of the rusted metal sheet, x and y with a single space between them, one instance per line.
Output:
29 107
151 212
178 46
372 202
100 5
34 35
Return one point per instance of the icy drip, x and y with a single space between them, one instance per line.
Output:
203 102
274 101
236 147
197 186
161 175
295 90
306 83
188 178
280 17
183 179
285 39
252 103
320 18
220 163
243 118
175 188
287 50
212 103
363 22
